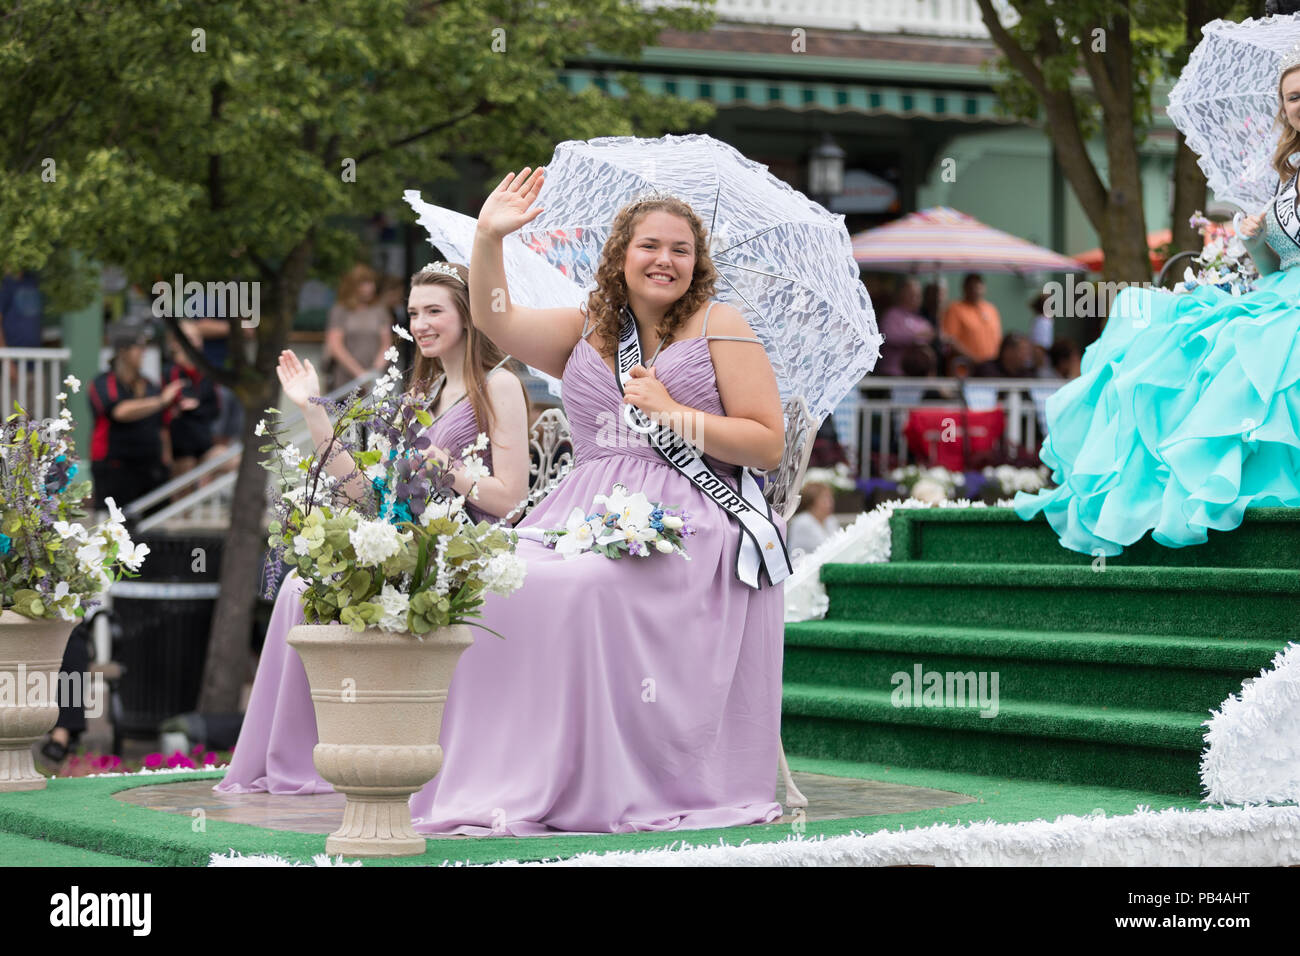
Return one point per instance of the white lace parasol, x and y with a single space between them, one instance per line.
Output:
534 282
785 262
1225 103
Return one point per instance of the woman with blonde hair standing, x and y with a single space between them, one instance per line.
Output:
358 331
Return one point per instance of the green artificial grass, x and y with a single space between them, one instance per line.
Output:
1266 538
1209 602
82 813
1101 670
25 851
1112 747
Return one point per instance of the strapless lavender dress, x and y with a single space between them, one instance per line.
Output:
630 694
273 753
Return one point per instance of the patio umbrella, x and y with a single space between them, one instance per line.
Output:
1225 102
783 260
1094 259
941 239
534 282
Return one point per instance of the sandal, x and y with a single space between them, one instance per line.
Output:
54 753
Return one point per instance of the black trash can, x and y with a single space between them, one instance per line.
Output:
164 616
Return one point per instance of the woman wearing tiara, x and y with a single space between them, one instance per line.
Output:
1187 409
454 363
642 693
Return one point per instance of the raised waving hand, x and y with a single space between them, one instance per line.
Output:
507 208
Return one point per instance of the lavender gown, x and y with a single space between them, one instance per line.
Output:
630 694
273 754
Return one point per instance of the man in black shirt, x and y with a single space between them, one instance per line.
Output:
130 451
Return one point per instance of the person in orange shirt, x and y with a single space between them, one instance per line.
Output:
972 324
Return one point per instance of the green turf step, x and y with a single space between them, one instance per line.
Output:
1210 602
1266 538
1158 672
1026 739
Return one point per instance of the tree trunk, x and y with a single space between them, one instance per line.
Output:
227 665
1190 189
1190 192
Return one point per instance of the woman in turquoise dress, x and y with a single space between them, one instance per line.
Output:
1187 408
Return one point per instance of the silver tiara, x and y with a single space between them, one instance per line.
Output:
442 268
650 195
1289 61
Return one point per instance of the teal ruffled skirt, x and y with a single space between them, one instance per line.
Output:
1187 412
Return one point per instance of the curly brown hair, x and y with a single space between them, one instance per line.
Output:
1290 141
606 301
481 353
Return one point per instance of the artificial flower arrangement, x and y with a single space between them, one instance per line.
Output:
928 484
52 565
403 555
1006 480
840 478
619 524
1223 262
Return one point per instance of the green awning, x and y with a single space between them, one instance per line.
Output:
799 95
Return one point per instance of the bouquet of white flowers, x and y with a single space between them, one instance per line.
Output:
406 556
1223 262
51 565
619 524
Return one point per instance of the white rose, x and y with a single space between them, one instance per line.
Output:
671 521
395 604
664 547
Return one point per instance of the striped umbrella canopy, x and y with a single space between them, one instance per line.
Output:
945 240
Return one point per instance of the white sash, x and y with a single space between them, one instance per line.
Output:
762 550
1284 209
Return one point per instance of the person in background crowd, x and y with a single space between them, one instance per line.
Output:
359 328
934 299
827 452
1042 332
903 327
130 450
813 520
972 324
228 427
191 430
1065 357
1015 359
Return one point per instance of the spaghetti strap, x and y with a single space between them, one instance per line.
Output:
705 327
732 338
586 321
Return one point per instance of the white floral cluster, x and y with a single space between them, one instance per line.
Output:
619 519
838 477
93 555
928 484
1224 261
1010 479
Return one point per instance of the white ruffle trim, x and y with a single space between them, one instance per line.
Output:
1231 836
1252 750
866 541
262 859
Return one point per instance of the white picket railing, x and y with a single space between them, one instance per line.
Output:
32 377
873 423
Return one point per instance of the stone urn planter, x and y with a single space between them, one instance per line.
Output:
379 698
30 654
